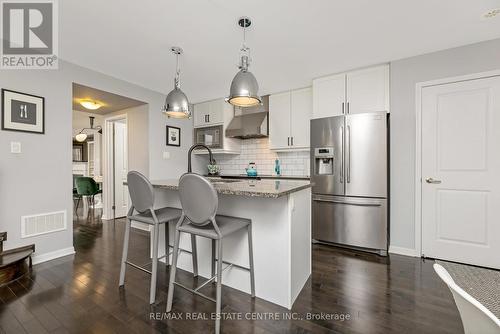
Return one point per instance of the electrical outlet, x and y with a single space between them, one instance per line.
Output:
15 147
166 155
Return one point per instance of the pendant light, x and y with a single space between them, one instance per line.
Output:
176 103
82 136
244 87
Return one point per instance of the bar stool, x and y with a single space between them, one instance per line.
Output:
142 195
199 202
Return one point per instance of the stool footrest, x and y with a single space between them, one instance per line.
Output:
213 278
138 267
195 292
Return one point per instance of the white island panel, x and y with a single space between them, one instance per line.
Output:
281 230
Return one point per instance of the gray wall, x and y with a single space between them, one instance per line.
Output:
405 74
137 136
39 180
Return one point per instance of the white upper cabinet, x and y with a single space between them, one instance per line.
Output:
301 113
289 116
368 90
216 111
354 92
329 96
209 113
279 121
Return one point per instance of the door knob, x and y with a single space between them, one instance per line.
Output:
431 180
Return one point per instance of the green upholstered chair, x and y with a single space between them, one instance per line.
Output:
88 188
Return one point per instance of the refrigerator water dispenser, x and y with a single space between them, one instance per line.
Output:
323 161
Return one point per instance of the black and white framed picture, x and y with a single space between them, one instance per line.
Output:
22 112
173 136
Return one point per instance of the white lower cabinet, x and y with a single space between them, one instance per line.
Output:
289 116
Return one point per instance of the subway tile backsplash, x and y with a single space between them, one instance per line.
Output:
257 150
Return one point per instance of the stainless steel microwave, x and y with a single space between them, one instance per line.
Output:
210 136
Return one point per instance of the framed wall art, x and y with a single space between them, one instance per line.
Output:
23 112
173 136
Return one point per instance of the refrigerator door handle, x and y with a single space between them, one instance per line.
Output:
342 154
345 202
348 151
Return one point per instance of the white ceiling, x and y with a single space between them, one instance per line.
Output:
109 102
291 41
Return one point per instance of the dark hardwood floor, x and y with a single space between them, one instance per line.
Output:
80 294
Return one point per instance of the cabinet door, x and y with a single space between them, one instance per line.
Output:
216 112
279 120
300 117
201 110
329 96
368 90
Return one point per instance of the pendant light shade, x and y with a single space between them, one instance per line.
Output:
81 137
176 104
244 91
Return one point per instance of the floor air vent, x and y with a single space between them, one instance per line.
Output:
43 223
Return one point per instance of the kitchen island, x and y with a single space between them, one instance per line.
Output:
281 226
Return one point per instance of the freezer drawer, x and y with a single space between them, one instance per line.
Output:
359 222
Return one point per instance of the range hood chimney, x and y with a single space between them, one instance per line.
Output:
252 123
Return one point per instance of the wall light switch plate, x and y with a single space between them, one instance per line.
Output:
166 155
15 147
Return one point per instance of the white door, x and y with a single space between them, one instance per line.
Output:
279 121
329 96
461 172
300 117
368 90
120 166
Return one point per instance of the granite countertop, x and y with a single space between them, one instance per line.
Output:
252 188
244 176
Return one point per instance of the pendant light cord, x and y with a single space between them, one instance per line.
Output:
245 56
177 72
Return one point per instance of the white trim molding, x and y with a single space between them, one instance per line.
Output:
418 141
403 251
107 185
39 258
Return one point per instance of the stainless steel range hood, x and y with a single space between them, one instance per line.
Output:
252 123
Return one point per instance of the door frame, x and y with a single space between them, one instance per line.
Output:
108 165
418 141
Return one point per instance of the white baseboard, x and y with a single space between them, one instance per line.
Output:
39 258
403 251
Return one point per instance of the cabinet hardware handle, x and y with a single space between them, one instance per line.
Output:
348 109
433 181
288 141
343 111
292 141
208 118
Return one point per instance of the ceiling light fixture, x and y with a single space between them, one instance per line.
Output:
244 87
491 13
91 105
176 103
82 136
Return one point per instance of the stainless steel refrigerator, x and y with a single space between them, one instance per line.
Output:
349 169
